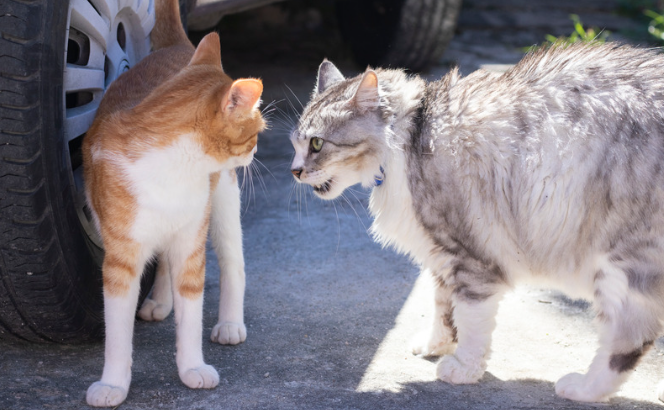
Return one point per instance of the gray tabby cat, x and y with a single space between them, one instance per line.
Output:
551 172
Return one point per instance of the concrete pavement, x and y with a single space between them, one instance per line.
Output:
329 313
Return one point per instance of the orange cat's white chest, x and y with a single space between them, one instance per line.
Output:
171 186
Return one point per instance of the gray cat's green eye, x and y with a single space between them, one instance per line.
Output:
316 144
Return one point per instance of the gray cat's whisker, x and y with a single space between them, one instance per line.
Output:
297 189
294 95
290 198
359 201
261 180
334 206
258 162
295 111
300 194
354 211
286 121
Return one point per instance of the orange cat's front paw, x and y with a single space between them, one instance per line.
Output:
204 377
229 333
104 395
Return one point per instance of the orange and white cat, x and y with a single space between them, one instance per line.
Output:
159 168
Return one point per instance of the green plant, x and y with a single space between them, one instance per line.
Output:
649 16
656 25
590 35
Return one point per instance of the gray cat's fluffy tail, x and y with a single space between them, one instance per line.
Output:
168 30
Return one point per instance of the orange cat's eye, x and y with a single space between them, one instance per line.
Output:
316 144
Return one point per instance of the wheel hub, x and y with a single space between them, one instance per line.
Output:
104 40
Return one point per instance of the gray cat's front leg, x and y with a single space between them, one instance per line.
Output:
475 321
477 289
440 338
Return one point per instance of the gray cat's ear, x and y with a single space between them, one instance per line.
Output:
328 74
366 97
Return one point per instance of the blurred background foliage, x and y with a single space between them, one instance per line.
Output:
650 13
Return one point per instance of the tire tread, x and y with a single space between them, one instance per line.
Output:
39 300
412 34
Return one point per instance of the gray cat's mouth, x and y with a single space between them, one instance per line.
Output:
323 188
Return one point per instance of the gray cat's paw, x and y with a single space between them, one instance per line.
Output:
427 345
451 370
153 311
204 377
229 333
104 395
660 390
573 387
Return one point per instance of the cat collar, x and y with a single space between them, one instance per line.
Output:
378 179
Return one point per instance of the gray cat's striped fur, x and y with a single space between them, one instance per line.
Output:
551 172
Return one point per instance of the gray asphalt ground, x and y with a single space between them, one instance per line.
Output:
329 313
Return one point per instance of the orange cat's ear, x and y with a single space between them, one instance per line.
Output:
243 96
208 51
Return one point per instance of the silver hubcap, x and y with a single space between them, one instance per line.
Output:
105 38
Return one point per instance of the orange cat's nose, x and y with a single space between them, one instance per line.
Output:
297 172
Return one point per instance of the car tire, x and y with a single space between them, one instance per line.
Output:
411 34
56 60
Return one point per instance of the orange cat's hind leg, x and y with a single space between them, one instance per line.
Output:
122 268
159 304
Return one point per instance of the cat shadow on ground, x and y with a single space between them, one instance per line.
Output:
491 393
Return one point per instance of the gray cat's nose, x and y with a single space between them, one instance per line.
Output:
297 172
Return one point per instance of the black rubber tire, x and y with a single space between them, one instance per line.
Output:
50 270
50 285
411 34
